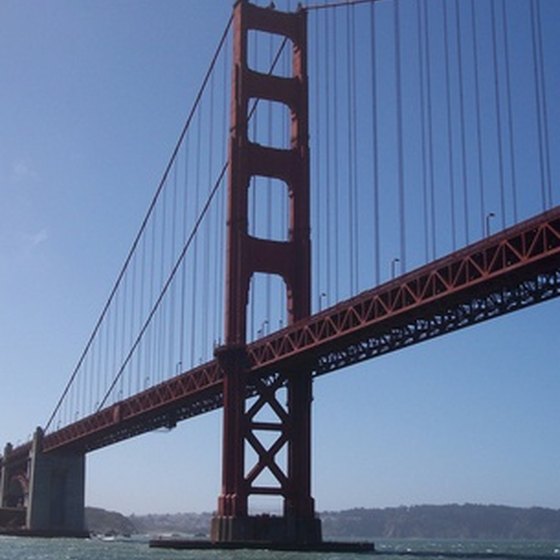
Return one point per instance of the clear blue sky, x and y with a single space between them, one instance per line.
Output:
94 94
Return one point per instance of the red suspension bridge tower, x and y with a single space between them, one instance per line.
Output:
281 446
265 385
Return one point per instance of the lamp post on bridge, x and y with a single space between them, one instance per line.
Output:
489 216
394 262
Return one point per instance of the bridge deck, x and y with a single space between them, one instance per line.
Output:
502 273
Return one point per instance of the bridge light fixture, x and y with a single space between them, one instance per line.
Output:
489 216
393 266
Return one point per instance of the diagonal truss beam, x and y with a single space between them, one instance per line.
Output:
496 265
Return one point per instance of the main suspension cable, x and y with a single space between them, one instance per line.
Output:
142 226
167 284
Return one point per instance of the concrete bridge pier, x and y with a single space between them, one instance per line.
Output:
13 491
56 505
4 476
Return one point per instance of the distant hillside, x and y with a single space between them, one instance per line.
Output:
102 522
189 523
450 521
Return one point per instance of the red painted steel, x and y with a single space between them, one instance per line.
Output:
508 271
247 255
510 256
161 405
499 274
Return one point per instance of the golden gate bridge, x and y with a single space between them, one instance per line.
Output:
387 176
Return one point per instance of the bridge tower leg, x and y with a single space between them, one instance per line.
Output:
290 259
57 491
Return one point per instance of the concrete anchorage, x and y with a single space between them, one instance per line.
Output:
56 505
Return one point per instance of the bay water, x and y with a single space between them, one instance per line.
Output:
17 548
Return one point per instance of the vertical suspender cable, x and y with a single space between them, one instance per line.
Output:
78 392
498 115
92 380
225 77
220 247
115 336
89 381
106 349
350 177
158 273
123 326
87 387
95 381
75 408
205 316
336 185
131 318
400 163
149 342
449 127
100 366
328 153
72 399
210 232
509 113
161 313
462 121
268 296
253 193
375 149
544 104
195 271
80 406
318 179
430 129
422 101
171 326
352 143
185 203
350 199
126 322
478 118
285 211
354 116
141 300
538 103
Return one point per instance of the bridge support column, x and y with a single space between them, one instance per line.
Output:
5 476
13 490
268 474
57 491
275 429
290 480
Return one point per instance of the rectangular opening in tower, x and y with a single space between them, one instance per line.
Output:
269 123
268 208
269 53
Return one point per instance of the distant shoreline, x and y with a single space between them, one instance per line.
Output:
453 521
